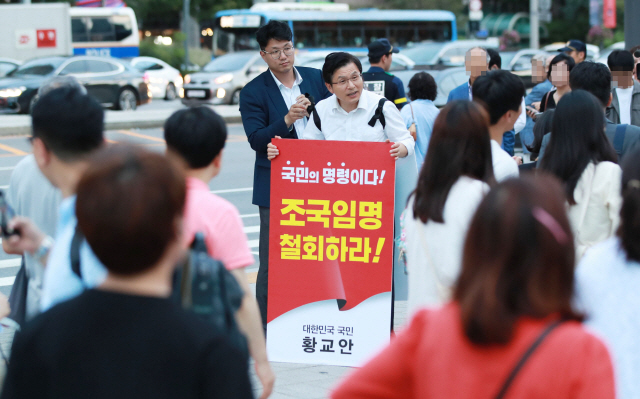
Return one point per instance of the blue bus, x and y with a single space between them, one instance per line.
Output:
328 26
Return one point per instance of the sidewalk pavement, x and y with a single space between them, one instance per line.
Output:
11 125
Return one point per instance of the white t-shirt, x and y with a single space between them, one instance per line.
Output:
504 166
444 243
624 99
607 291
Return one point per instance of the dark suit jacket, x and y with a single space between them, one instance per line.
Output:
631 140
263 109
613 112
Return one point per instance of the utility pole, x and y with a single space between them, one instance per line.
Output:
185 21
534 24
631 26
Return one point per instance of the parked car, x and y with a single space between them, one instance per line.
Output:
8 65
446 80
604 54
221 80
315 59
112 82
164 80
519 63
593 51
441 55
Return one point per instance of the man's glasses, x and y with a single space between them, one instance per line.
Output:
288 51
343 82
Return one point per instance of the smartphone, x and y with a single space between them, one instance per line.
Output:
6 214
535 111
637 68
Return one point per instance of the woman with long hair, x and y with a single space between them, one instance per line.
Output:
581 156
607 280
456 175
511 330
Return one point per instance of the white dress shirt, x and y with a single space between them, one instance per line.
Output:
504 166
339 125
289 95
624 99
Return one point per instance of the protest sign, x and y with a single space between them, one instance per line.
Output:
330 251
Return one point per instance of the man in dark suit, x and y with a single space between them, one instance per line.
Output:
596 79
273 104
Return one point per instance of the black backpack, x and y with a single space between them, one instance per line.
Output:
378 115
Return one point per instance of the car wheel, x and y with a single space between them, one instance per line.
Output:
235 98
171 92
127 100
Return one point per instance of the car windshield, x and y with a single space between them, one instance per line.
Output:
506 57
228 63
423 54
38 67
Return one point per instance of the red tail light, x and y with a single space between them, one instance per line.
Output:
145 78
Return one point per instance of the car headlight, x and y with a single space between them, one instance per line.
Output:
187 78
223 79
179 80
12 92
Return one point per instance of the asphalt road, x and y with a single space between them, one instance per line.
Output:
234 183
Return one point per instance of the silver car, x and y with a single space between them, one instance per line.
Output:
221 80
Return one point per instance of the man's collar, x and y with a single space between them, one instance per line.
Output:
374 69
279 83
363 102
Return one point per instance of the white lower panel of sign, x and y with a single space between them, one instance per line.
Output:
319 333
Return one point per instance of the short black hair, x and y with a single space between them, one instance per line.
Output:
494 58
422 86
376 59
621 60
196 134
499 91
593 77
559 58
69 123
277 30
335 61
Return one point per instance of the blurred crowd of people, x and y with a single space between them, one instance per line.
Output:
522 269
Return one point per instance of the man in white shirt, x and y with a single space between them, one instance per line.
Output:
625 105
501 93
352 113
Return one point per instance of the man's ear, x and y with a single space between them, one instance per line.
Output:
41 153
329 88
217 161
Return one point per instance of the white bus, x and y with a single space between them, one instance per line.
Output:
104 31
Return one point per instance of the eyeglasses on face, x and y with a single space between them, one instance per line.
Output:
343 82
288 51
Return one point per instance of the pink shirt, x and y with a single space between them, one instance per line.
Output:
220 222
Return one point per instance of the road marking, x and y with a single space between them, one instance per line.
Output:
140 135
251 229
4 187
7 281
255 253
10 263
236 138
250 215
252 277
233 190
110 141
7 168
254 243
12 150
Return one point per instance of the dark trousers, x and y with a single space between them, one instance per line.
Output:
262 282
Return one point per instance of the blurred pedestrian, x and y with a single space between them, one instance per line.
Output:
274 104
421 113
378 79
625 105
559 71
607 285
511 330
501 92
595 78
127 338
197 137
67 130
31 195
495 61
582 157
454 179
542 127
539 65
575 49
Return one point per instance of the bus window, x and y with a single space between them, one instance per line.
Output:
101 29
327 34
352 34
79 30
374 30
436 30
305 34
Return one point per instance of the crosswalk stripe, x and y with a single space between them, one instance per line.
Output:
13 262
6 281
232 190
251 229
250 215
254 243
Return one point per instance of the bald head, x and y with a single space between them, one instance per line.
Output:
476 62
